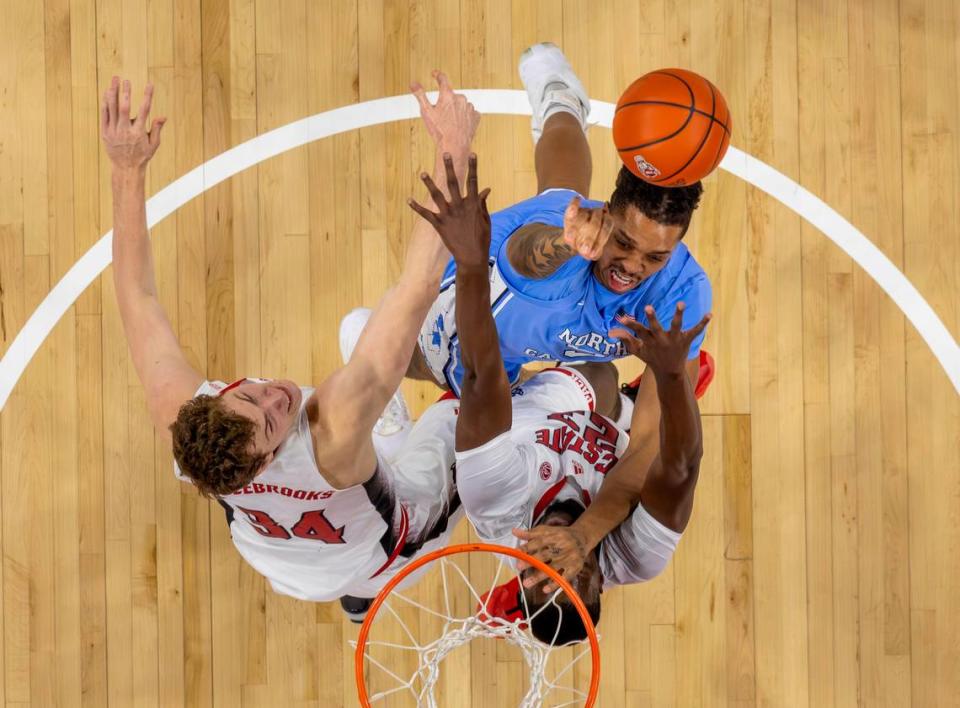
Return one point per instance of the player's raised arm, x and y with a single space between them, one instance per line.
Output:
464 225
681 435
167 377
537 251
659 483
353 397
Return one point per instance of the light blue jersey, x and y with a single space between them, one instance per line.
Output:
566 316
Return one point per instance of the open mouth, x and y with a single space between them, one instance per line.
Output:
618 280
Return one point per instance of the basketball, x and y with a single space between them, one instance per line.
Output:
671 127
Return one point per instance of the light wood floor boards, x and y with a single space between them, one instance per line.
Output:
822 565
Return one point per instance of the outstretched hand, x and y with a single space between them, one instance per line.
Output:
462 222
129 142
452 121
664 351
563 548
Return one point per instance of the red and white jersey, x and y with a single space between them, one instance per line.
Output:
550 456
315 542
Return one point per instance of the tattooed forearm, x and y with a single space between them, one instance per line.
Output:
537 251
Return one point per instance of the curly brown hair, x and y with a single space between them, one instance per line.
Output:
214 446
670 206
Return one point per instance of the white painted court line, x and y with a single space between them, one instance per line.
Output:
494 101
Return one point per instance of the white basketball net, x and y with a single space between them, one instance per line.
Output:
457 631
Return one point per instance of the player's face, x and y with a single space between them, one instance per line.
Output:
273 406
637 248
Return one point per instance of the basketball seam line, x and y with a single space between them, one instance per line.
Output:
692 108
716 160
703 140
693 101
675 105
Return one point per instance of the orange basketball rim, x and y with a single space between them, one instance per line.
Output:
360 655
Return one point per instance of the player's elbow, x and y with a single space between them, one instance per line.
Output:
135 300
420 289
685 468
480 376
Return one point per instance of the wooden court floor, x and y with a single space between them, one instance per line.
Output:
822 565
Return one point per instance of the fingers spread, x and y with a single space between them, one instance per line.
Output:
634 326
677 317
435 192
425 213
483 204
623 335
472 175
125 101
700 326
443 82
453 184
155 128
652 319
417 88
144 111
112 99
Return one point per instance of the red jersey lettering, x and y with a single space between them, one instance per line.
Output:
264 524
314 525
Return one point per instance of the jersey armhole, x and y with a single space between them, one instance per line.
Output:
503 256
520 285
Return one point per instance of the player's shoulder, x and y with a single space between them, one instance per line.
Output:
682 276
343 453
545 208
683 262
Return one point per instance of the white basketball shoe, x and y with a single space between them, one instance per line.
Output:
551 86
396 416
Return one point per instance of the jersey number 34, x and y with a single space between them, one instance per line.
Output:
312 524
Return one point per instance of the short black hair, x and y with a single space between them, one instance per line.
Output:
554 622
560 623
670 206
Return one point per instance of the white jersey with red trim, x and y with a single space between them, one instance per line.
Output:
315 542
550 456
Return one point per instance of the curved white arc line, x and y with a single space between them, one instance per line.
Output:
852 242
494 101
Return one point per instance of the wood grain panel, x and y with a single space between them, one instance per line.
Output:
821 565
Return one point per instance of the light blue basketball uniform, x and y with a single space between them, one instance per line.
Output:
566 316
